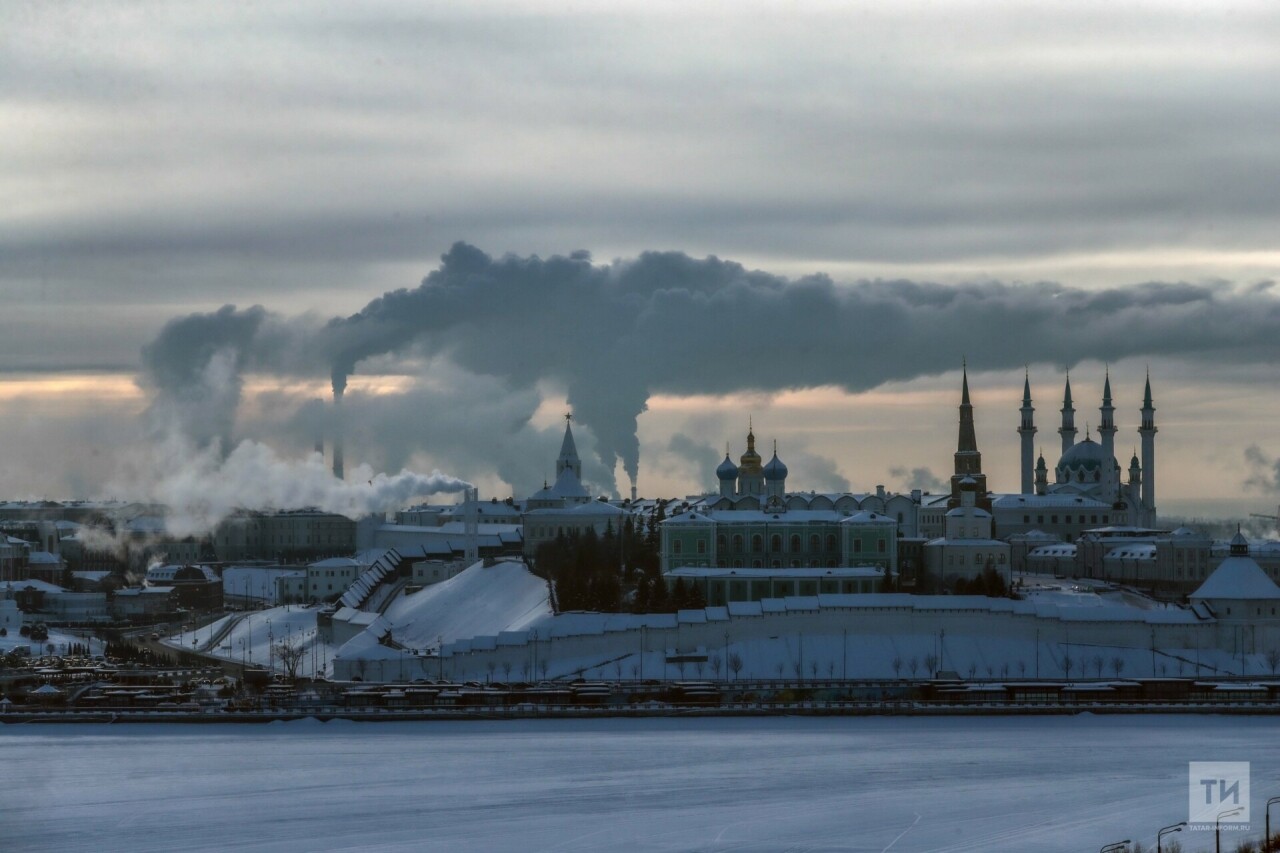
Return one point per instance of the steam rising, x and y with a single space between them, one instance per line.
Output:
201 487
614 334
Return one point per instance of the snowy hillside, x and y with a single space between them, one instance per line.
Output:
479 601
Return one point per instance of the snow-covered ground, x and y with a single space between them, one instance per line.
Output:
248 637
59 639
848 784
479 601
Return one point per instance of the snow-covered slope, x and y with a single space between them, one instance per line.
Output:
478 601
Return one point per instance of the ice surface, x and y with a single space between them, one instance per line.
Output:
812 784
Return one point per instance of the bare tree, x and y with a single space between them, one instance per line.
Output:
506 670
290 654
831 669
913 665
1097 663
491 666
1022 668
1067 664
1004 670
973 668
698 666
931 664
1117 665
798 668
991 672
1273 660
735 663
897 667
813 669
716 663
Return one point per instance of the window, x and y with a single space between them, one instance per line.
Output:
775 543
882 546
1053 519
857 546
702 546
757 545
737 541
831 541
814 541
1026 519
795 542
675 546
720 541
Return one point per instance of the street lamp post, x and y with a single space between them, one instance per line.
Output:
1115 847
1217 826
1168 830
1267 838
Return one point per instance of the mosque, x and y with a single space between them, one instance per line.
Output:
954 534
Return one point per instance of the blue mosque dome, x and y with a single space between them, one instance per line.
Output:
1083 463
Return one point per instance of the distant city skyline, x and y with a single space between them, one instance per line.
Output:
168 160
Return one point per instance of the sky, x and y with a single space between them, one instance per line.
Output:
669 217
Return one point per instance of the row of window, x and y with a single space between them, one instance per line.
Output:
775 544
979 559
1066 519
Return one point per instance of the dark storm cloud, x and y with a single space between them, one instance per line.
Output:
614 334
894 135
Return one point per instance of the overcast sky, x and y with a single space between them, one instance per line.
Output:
161 160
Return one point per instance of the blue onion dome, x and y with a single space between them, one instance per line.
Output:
727 470
775 470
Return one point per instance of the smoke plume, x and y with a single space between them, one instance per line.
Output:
614 334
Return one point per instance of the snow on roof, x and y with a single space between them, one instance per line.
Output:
1237 578
30 583
336 563
970 511
750 516
567 485
868 517
44 558
1139 551
1051 501
1062 549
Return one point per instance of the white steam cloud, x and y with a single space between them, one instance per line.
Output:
201 487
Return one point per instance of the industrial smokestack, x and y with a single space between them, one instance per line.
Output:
337 433
320 427
633 493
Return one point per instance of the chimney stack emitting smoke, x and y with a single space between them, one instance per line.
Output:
337 432
320 427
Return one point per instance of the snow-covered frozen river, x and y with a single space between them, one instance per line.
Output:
811 784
